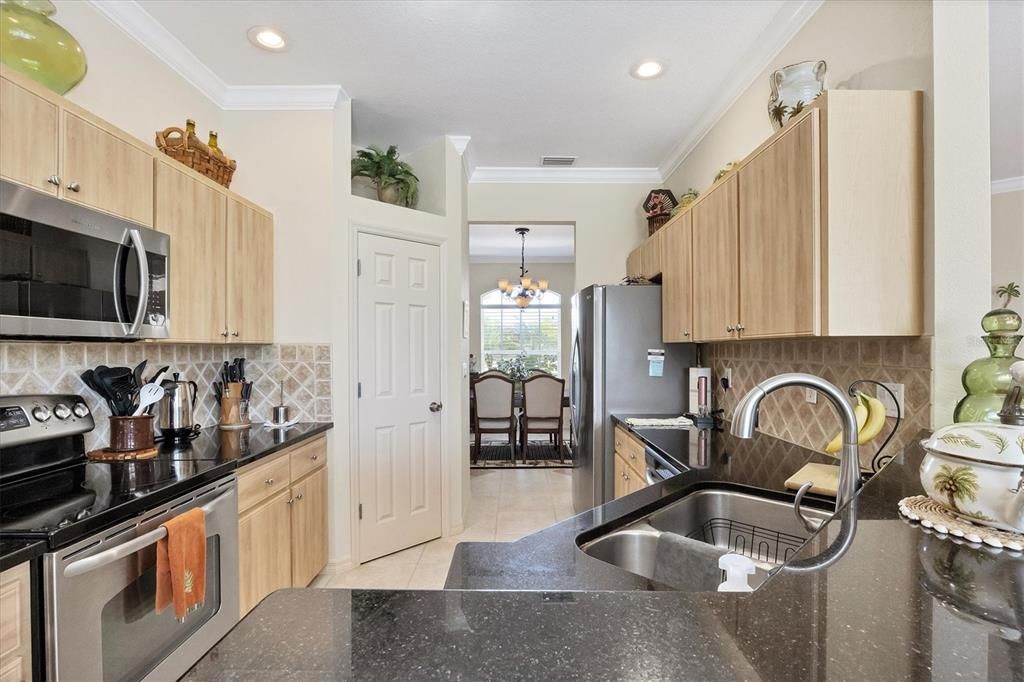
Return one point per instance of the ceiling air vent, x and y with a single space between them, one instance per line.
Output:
561 161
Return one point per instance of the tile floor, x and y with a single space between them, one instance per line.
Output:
506 504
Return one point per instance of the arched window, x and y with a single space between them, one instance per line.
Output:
506 330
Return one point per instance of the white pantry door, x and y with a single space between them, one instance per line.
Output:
399 340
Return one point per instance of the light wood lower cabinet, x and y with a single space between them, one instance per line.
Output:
105 172
282 523
28 130
15 624
629 464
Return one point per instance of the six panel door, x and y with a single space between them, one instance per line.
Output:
399 339
779 253
194 215
676 281
28 131
105 172
250 274
715 276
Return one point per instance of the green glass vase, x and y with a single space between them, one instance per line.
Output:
32 43
987 380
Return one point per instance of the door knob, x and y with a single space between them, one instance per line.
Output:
74 186
436 407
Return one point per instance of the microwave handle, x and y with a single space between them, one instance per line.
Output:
83 566
144 283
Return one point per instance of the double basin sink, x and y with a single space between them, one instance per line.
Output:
765 530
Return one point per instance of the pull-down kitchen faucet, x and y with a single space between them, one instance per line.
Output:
744 420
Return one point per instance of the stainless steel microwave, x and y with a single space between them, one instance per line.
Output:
67 271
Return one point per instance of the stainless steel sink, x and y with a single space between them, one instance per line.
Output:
766 530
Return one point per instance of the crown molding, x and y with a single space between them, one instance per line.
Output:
644 176
784 26
461 144
1008 185
133 19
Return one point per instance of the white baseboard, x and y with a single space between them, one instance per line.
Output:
332 569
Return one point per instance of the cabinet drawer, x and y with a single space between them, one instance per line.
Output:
630 449
308 457
263 481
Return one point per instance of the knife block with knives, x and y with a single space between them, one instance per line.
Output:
233 391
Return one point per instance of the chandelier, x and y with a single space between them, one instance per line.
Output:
526 290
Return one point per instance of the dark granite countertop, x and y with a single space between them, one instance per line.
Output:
900 604
14 552
124 489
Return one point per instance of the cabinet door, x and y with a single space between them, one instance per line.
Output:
715 276
677 281
650 255
779 236
634 263
264 550
28 130
105 172
15 624
194 215
626 480
250 280
309 527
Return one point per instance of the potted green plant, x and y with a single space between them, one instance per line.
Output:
393 179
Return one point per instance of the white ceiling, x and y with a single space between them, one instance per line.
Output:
1006 69
523 79
499 243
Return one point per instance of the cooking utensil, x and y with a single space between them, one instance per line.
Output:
148 395
137 374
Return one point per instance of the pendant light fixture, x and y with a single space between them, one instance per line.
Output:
526 290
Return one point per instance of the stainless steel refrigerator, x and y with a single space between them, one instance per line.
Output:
616 347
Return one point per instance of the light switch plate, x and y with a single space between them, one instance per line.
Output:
811 396
727 375
886 399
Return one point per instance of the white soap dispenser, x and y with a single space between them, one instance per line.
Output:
737 567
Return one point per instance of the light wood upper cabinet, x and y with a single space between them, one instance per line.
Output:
651 255
264 550
105 172
634 263
779 228
195 216
677 280
16 624
250 274
28 138
715 276
309 527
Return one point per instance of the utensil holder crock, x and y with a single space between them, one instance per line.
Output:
131 433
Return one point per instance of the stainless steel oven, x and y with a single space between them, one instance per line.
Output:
69 271
99 595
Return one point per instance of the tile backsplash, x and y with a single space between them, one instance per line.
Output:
305 370
786 414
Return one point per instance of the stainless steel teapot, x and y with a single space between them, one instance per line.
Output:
177 408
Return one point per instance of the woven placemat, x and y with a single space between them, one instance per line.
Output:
933 515
105 455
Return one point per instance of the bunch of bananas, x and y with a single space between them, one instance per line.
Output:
870 413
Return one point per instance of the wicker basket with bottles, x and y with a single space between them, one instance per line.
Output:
185 147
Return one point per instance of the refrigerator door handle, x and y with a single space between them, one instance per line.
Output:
574 388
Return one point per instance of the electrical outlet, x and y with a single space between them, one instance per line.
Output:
811 396
727 377
886 399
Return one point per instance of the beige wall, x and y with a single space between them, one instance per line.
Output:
1007 242
609 220
484 276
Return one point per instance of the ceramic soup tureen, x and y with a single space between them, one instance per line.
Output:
976 470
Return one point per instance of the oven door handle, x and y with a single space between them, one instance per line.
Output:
144 283
83 566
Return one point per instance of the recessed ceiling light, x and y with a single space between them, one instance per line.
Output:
267 38
648 69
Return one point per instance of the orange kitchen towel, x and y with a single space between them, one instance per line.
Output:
181 563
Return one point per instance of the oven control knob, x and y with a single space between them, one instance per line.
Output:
62 411
80 410
41 413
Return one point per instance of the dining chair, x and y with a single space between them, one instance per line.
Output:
493 396
542 411
534 371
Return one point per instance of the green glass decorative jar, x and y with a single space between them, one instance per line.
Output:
32 43
987 380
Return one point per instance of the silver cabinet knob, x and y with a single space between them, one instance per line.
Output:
269 481
436 407
299 496
235 333
686 333
290 501
730 328
74 186
740 327
224 333
54 180
314 457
